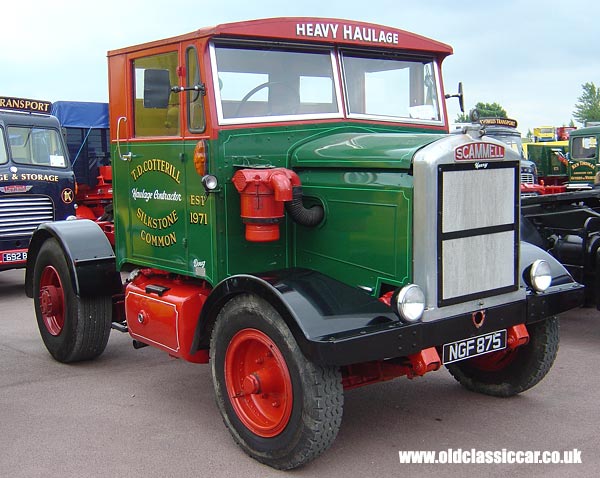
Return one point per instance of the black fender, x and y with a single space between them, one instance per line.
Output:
530 253
89 255
563 294
313 305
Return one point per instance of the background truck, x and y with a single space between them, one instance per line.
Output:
544 133
36 180
293 211
505 130
567 223
85 129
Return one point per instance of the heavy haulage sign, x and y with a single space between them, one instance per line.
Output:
24 104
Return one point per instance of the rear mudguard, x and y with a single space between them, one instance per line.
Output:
88 253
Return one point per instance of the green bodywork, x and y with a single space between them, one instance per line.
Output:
547 160
361 176
584 164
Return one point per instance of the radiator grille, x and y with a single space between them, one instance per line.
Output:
477 231
21 215
527 178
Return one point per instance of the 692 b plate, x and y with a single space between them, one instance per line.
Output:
474 346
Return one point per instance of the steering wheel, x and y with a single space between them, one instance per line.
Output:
256 89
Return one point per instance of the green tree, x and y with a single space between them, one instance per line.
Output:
490 110
588 106
486 110
462 118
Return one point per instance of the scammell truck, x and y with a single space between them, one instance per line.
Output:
290 209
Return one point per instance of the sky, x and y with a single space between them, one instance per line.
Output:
531 57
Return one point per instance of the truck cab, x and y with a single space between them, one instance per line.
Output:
584 165
36 181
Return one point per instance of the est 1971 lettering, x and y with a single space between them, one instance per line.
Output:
198 218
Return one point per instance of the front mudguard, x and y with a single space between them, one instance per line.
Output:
336 324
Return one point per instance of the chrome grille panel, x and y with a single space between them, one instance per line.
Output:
477 231
465 244
21 215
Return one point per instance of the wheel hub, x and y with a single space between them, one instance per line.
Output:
52 301
258 383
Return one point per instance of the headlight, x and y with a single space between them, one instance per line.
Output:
409 302
209 182
540 275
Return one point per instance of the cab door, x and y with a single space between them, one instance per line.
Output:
151 202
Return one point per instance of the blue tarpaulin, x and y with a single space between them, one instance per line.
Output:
81 114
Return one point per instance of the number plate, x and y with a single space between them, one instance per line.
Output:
468 348
14 256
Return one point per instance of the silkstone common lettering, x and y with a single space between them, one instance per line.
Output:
159 165
156 240
157 222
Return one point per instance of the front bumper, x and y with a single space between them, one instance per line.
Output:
386 341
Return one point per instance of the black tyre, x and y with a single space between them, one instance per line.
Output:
281 409
72 328
509 372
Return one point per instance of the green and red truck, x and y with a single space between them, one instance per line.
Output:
291 209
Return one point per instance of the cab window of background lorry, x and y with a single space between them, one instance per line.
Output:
390 87
584 147
3 153
36 146
149 119
261 84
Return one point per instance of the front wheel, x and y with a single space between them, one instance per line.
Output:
509 372
72 328
282 409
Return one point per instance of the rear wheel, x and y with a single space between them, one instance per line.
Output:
72 328
509 372
281 408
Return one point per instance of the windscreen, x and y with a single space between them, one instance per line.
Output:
266 83
390 87
36 146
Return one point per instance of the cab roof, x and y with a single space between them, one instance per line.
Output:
310 29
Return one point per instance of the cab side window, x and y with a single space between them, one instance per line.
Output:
153 119
195 118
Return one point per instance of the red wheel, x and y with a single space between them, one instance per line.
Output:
495 361
73 328
52 300
258 382
281 408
